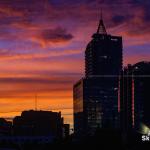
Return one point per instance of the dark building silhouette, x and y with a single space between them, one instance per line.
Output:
38 123
66 130
134 97
5 127
96 95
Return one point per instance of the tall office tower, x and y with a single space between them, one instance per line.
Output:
103 55
134 98
96 95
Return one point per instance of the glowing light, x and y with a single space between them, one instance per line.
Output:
144 129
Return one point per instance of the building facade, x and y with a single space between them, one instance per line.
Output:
134 97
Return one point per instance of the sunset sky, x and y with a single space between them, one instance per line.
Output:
42 44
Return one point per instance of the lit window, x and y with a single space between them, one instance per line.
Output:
105 57
114 39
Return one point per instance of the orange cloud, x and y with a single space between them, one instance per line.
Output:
6 55
132 59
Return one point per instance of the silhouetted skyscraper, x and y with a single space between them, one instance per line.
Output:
134 97
103 55
96 95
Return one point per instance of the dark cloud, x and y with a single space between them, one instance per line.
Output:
56 35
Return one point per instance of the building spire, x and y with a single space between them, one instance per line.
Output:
101 27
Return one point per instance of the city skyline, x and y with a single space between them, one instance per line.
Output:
42 48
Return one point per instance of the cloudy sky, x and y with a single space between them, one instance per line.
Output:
42 45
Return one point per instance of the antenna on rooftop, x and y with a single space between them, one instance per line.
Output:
35 102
